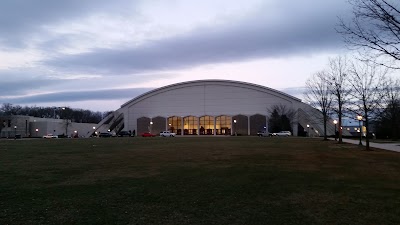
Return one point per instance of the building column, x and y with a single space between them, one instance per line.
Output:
198 125
182 126
295 124
215 121
248 125
232 126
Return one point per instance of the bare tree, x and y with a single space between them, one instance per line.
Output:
367 80
375 27
319 95
337 79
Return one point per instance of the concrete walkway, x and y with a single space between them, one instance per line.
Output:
385 146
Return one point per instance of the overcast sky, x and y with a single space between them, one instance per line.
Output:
98 54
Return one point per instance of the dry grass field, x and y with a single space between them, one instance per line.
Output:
197 180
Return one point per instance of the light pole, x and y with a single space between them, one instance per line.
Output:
335 122
308 130
94 131
234 126
150 127
15 132
37 130
359 124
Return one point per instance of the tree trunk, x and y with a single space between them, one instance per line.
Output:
325 119
366 131
340 125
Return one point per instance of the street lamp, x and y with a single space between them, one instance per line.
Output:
150 127
335 122
37 130
308 130
15 132
359 124
234 126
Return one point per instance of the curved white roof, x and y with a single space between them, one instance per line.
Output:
211 82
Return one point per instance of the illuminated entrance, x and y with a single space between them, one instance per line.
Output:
223 125
175 124
190 125
206 125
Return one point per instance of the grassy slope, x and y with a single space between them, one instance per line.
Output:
234 180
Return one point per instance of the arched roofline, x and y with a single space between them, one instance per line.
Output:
205 82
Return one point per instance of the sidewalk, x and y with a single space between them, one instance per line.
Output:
385 146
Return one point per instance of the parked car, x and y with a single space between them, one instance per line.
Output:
105 134
263 133
124 134
148 134
167 134
282 133
50 136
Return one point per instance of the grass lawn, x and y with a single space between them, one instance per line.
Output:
196 180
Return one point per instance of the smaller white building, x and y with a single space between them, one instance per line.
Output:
28 126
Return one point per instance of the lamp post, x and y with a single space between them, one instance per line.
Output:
335 122
234 126
150 127
308 130
15 132
37 130
359 118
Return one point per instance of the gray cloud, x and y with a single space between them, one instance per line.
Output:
22 82
254 37
19 19
107 94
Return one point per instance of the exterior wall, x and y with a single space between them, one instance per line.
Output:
27 125
158 125
12 125
238 100
242 125
143 125
257 123
199 98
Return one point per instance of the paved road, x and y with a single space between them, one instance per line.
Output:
385 146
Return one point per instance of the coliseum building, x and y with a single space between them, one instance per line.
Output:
211 107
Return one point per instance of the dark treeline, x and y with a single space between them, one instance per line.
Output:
75 115
280 118
387 124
